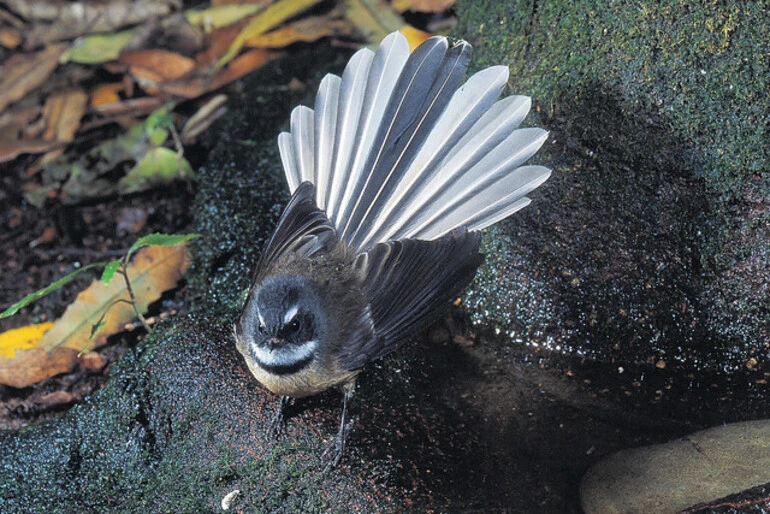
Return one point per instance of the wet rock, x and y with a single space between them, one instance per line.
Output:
673 476
651 238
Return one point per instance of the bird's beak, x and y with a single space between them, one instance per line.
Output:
274 343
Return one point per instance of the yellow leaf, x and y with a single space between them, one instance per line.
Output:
431 6
22 338
274 15
305 30
153 270
375 19
414 36
220 15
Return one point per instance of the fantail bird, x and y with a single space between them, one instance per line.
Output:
392 176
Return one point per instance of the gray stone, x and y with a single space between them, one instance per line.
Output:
672 476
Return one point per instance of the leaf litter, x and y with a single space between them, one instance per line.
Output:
85 91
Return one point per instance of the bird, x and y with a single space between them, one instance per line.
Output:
393 174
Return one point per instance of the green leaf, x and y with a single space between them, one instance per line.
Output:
159 240
31 297
159 166
109 271
98 48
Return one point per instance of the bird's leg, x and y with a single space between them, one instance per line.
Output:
338 445
277 423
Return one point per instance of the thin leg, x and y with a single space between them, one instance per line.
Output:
338 445
277 424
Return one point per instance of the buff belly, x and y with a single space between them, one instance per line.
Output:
306 382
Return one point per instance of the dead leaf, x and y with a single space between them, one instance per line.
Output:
9 150
415 37
132 106
48 235
431 6
375 19
239 67
57 21
105 94
92 361
22 338
153 270
151 67
271 17
23 73
203 118
55 399
220 15
31 366
63 111
10 37
306 30
23 364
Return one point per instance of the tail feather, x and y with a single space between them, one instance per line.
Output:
388 62
397 151
425 95
286 147
326 109
467 105
351 97
302 128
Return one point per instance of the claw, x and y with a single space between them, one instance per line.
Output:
277 424
337 447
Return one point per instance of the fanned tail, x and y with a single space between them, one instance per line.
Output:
398 149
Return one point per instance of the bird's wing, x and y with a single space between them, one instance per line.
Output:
405 283
399 149
303 229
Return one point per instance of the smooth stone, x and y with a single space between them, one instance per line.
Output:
672 476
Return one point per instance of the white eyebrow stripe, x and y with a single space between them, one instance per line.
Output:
285 356
261 319
290 314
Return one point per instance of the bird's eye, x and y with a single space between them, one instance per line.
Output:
261 328
294 326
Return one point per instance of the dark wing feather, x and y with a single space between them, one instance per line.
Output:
303 229
407 282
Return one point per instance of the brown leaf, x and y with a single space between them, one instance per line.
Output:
56 20
278 12
105 94
10 37
305 30
132 106
151 67
431 6
203 118
237 68
23 73
28 367
63 110
9 150
154 270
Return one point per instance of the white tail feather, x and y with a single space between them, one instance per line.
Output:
351 96
461 164
326 108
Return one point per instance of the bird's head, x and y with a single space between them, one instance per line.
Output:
283 324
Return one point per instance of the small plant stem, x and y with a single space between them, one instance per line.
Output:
122 270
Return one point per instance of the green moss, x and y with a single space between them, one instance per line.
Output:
697 65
